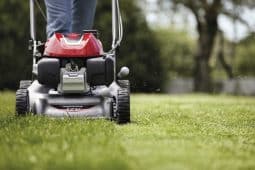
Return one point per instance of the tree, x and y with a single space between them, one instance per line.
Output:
206 13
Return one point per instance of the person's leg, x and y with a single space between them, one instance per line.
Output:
83 13
58 16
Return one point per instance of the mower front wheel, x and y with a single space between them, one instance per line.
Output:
22 102
123 102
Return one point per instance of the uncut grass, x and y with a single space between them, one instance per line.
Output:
167 132
195 132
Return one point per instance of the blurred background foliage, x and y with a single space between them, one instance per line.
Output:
239 55
154 55
177 49
15 59
244 62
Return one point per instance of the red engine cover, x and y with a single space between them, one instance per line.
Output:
73 45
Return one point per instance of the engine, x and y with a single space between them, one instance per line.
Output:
75 63
75 75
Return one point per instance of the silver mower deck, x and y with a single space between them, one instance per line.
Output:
45 101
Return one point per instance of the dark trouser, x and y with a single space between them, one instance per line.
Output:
65 16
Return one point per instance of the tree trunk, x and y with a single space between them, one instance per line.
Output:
202 79
202 71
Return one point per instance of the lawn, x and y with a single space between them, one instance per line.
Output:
167 132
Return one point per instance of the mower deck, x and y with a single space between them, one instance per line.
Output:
44 101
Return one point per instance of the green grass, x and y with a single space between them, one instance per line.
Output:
168 132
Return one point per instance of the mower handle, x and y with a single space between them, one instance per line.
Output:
32 20
117 27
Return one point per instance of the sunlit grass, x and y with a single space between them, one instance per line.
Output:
167 132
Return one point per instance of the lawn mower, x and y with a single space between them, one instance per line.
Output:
74 77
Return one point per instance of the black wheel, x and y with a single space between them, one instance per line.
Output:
123 102
22 102
24 84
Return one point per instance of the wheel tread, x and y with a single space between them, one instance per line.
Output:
21 101
123 112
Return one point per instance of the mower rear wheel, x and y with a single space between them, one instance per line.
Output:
24 84
123 102
22 102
